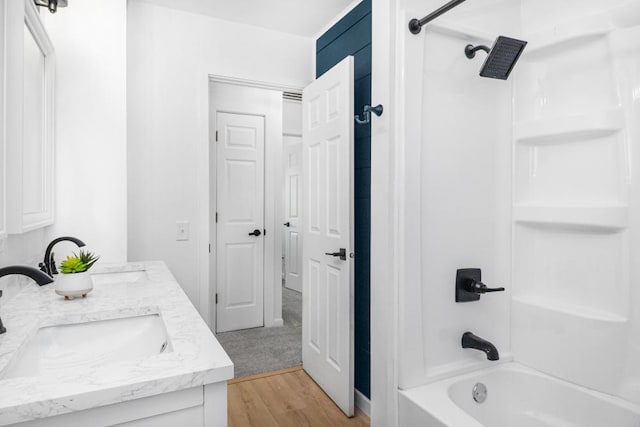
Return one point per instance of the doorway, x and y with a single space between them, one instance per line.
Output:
327 159
292 159
257 320
251 115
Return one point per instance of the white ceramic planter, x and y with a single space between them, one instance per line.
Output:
74 285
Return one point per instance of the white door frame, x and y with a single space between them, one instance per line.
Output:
273 200
393 53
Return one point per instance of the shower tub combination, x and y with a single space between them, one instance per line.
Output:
531 180
511 395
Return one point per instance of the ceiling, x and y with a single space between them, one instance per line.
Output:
301 17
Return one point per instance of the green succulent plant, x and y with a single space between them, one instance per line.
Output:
78 263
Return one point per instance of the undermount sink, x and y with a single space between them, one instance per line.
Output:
120 277
78 345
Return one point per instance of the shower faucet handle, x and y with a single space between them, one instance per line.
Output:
481 288
469 285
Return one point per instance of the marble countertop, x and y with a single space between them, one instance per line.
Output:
197 357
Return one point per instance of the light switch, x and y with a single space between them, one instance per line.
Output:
182 230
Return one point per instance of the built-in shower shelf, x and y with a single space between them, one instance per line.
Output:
612 217
567 308
560 129
556 38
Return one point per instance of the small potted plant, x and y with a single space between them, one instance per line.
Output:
74 280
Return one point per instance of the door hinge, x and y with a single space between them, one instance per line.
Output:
265 231
216 136
216 298
216 217
209 247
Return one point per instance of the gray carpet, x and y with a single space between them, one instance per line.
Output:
259 350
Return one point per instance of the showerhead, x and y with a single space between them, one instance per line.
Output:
502 57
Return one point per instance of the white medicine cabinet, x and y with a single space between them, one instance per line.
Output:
28 93
3 163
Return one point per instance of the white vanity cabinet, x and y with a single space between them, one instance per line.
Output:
29 65
108 381
204 406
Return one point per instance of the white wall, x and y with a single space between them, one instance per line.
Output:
23 249
90 43
291 118
91 175
456 192
171 53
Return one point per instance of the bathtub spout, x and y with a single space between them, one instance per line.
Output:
469 340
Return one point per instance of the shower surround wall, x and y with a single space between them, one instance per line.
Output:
534 180
575 285
457 190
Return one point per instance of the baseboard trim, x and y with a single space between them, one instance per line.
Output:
275 323
363 403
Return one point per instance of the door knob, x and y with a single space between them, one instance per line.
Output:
342 253
287 224
255 232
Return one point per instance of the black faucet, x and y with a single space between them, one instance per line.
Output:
49 264
2 328
469 285
35 274
469 340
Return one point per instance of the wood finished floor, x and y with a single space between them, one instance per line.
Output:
282 399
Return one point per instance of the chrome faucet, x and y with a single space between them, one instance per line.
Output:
33 273
469 340
49 264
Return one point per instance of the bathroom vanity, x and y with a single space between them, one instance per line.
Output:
134 352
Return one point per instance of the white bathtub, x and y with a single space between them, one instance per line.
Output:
516 397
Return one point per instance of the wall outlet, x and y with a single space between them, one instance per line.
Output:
182 230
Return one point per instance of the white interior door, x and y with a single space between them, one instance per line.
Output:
293 211
327 285
240 221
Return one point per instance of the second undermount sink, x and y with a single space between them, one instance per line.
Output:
67 347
